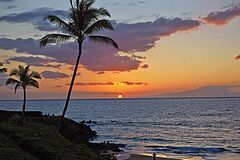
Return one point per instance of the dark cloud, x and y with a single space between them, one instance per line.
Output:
11 7
101 72
7 0
222 17
109 83
238 57
145 66
133 83
57 86
103 59
53 75
34 17
94 84
135 3
140 37
79 74
98 59
36 61
142 2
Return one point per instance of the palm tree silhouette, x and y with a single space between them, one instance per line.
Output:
2 70
23 77
84 23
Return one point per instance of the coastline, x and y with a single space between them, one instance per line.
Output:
145 157
34 140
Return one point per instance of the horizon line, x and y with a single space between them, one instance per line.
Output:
140 98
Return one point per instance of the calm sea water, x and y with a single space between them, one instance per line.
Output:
183 128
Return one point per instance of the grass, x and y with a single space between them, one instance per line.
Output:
34 142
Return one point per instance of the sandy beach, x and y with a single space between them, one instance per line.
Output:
142 157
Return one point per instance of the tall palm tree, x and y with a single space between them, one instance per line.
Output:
2 70
85 22
23 77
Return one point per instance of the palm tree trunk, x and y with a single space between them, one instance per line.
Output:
24 106
69 91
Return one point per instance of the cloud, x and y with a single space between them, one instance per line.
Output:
207 91
7 0
238 57
133 83
130 3
101 72
98 59
135 3
110 83
136 37
222 17
79 74
36 61
95 84
138 57
12 7
34 17
53 75
145 66
57 86
140 37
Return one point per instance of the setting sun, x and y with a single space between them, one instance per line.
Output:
120 96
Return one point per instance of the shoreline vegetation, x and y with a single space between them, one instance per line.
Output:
34 141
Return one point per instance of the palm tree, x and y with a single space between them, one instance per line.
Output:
2 70
84 23
23 77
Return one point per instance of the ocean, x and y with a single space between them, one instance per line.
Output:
197 128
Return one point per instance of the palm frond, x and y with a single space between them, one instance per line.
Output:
35 75
91 15
26 69
14 72
98 12
104 40
23 77
99 26
54 38
103 12
33 83
89 4
21 69
59 22
24 73
71 3
2 70
12 81
16 87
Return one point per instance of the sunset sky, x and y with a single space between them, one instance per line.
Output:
167 48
